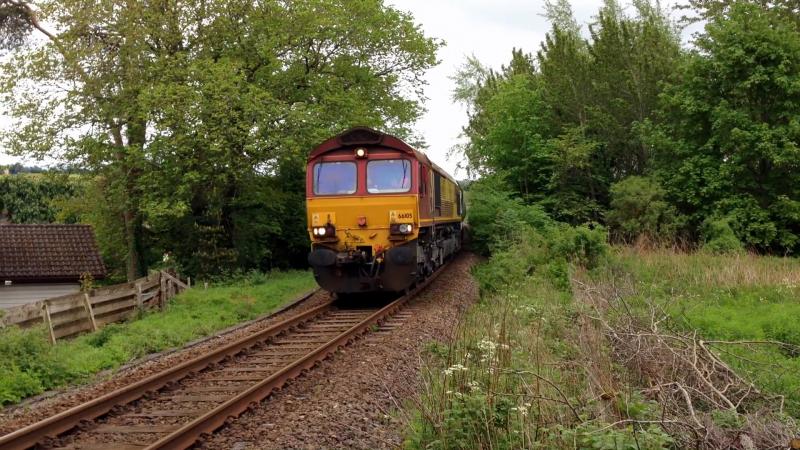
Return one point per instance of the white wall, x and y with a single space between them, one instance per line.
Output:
20 294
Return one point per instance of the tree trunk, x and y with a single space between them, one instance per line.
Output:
130 214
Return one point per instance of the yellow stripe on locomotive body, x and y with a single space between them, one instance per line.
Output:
381 215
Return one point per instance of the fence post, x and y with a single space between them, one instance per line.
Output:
162 291
139 297
189 282
49 323
88 305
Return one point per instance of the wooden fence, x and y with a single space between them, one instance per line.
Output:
72 314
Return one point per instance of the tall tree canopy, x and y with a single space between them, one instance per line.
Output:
562 126
729 134
621 125
198 114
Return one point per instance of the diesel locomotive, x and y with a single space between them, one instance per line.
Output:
381 215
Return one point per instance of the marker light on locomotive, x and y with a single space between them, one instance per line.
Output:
361 153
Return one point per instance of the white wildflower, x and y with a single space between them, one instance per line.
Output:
454 368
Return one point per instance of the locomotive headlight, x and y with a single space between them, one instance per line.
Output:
320 231
401 228
361 153
316 231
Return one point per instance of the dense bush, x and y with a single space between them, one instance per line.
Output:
727 137
523 239
622 124
495 217
719 237
639 208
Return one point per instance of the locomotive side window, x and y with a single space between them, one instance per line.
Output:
388 176
335 178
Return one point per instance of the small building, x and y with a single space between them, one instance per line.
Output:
45 261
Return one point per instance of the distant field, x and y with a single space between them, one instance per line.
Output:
29 365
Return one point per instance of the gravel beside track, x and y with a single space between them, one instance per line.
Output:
355 399
40 408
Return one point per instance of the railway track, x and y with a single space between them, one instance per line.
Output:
174 408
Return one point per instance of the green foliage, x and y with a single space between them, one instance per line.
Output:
727 419
720 237
495 217
524 239
561 131
601 437
32 198
91 204
582 245
29 365
728 138
639 208
626 128
192 128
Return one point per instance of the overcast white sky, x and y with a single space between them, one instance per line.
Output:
489 29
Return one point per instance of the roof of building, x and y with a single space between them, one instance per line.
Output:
43 253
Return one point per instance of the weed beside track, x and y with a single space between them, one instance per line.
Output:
575 344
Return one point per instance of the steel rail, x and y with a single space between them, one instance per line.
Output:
187 435
66 420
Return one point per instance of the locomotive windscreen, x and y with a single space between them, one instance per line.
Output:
388 176
334 178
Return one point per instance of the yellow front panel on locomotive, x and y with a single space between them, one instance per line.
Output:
376 212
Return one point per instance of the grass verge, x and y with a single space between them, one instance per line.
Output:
744 306
578 345
29 365
517 375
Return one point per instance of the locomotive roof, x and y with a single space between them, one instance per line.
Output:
360 136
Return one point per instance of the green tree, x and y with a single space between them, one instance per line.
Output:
639 208
508 123
630 57
565 125
729 135
33 198
181 108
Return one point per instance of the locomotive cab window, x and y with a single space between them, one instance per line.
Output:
388 176
335 178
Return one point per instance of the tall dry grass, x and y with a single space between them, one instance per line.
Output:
700 269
